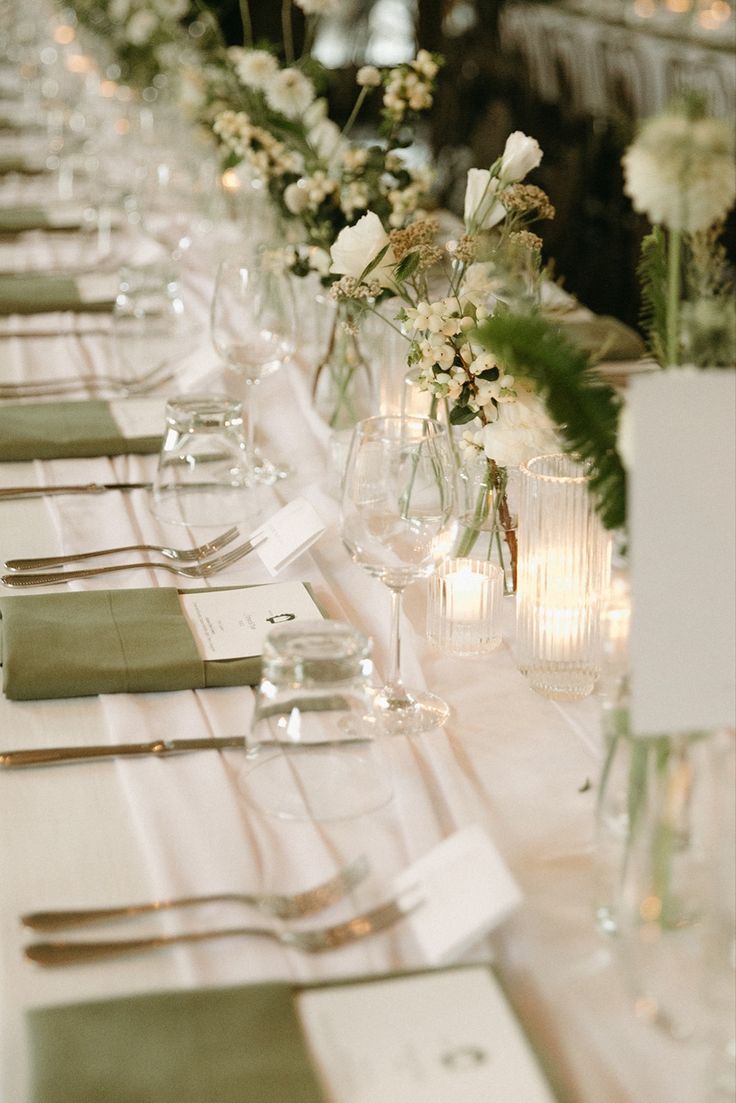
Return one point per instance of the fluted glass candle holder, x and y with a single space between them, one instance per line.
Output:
464 607
564 571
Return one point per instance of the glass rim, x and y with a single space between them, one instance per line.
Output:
436 428
527 469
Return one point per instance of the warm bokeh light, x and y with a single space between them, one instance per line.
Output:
64 34
678 5
108 88
230 181
80 63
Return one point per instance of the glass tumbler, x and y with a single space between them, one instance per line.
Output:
312 751
203 476
563 576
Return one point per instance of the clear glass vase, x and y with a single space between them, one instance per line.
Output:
343 388
488 514
563 578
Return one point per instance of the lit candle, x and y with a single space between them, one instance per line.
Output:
230 181
464 589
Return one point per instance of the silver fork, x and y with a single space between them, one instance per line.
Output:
201 570
312 941
281 905
181 555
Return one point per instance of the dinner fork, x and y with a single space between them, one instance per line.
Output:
310 941
181 555
283 906
200 570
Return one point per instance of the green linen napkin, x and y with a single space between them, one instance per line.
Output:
17 220
229 1045
79 644
604 338
16 163
62 430
38 294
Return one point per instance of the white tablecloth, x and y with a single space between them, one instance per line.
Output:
118 831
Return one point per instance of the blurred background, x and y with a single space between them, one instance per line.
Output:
578 75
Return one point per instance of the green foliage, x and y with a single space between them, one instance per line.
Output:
652 272
584 408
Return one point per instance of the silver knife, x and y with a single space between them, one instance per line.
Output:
14 492
160 747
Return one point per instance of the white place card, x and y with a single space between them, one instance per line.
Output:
467 891
139 417
100 288
683 550
232 624
447 1037
287 534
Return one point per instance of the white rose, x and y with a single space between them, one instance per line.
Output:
521 431
521 154
141 26
482 209
356 246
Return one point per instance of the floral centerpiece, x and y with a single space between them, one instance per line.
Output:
319 180
446 293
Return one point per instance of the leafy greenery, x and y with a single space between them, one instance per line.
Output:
652 272
585 409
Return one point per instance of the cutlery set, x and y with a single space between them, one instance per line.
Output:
24 574
280 906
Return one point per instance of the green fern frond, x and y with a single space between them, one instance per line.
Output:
584 408
652 272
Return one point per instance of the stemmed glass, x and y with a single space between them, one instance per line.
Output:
398 521
253 328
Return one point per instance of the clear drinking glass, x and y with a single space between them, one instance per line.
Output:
398 522
312 752
203 475
563 573
151 328
253 327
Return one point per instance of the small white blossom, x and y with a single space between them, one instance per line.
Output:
425 64
255 68
368 76
290 93
140 27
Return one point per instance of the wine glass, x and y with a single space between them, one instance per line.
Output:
398 521
253 324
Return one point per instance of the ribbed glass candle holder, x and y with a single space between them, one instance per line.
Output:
564 570
464 607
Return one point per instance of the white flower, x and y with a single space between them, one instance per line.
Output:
425 64
141 26
255 68
296 197
290 93
317 7
356 246
521 154
680 172
324 138
482 209
118 10
521 431
368 76
171 9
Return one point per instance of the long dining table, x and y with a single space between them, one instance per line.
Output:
97 833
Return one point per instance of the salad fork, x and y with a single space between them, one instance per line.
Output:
310 941
281 905
181 555
200 570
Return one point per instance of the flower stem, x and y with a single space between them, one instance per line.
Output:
673 297
355 112
287 32
247 23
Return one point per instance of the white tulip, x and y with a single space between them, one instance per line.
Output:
356 246
482 209
521 154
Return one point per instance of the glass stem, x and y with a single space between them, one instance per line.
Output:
394 684
251 412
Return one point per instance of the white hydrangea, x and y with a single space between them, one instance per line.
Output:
255 68
681 173
290 93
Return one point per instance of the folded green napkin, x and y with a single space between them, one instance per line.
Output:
604 338
61 430
17 163
40 294
78 644
230 1045
17 220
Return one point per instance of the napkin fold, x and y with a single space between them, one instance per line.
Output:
38 294
17 220
223 1045
82 643
62 430
604 338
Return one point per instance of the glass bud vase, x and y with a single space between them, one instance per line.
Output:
343 389
564 571
488 515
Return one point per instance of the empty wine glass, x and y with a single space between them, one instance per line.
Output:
398 521
253 325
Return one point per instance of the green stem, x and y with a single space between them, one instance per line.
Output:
287 32
355 112
673 297
247 23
